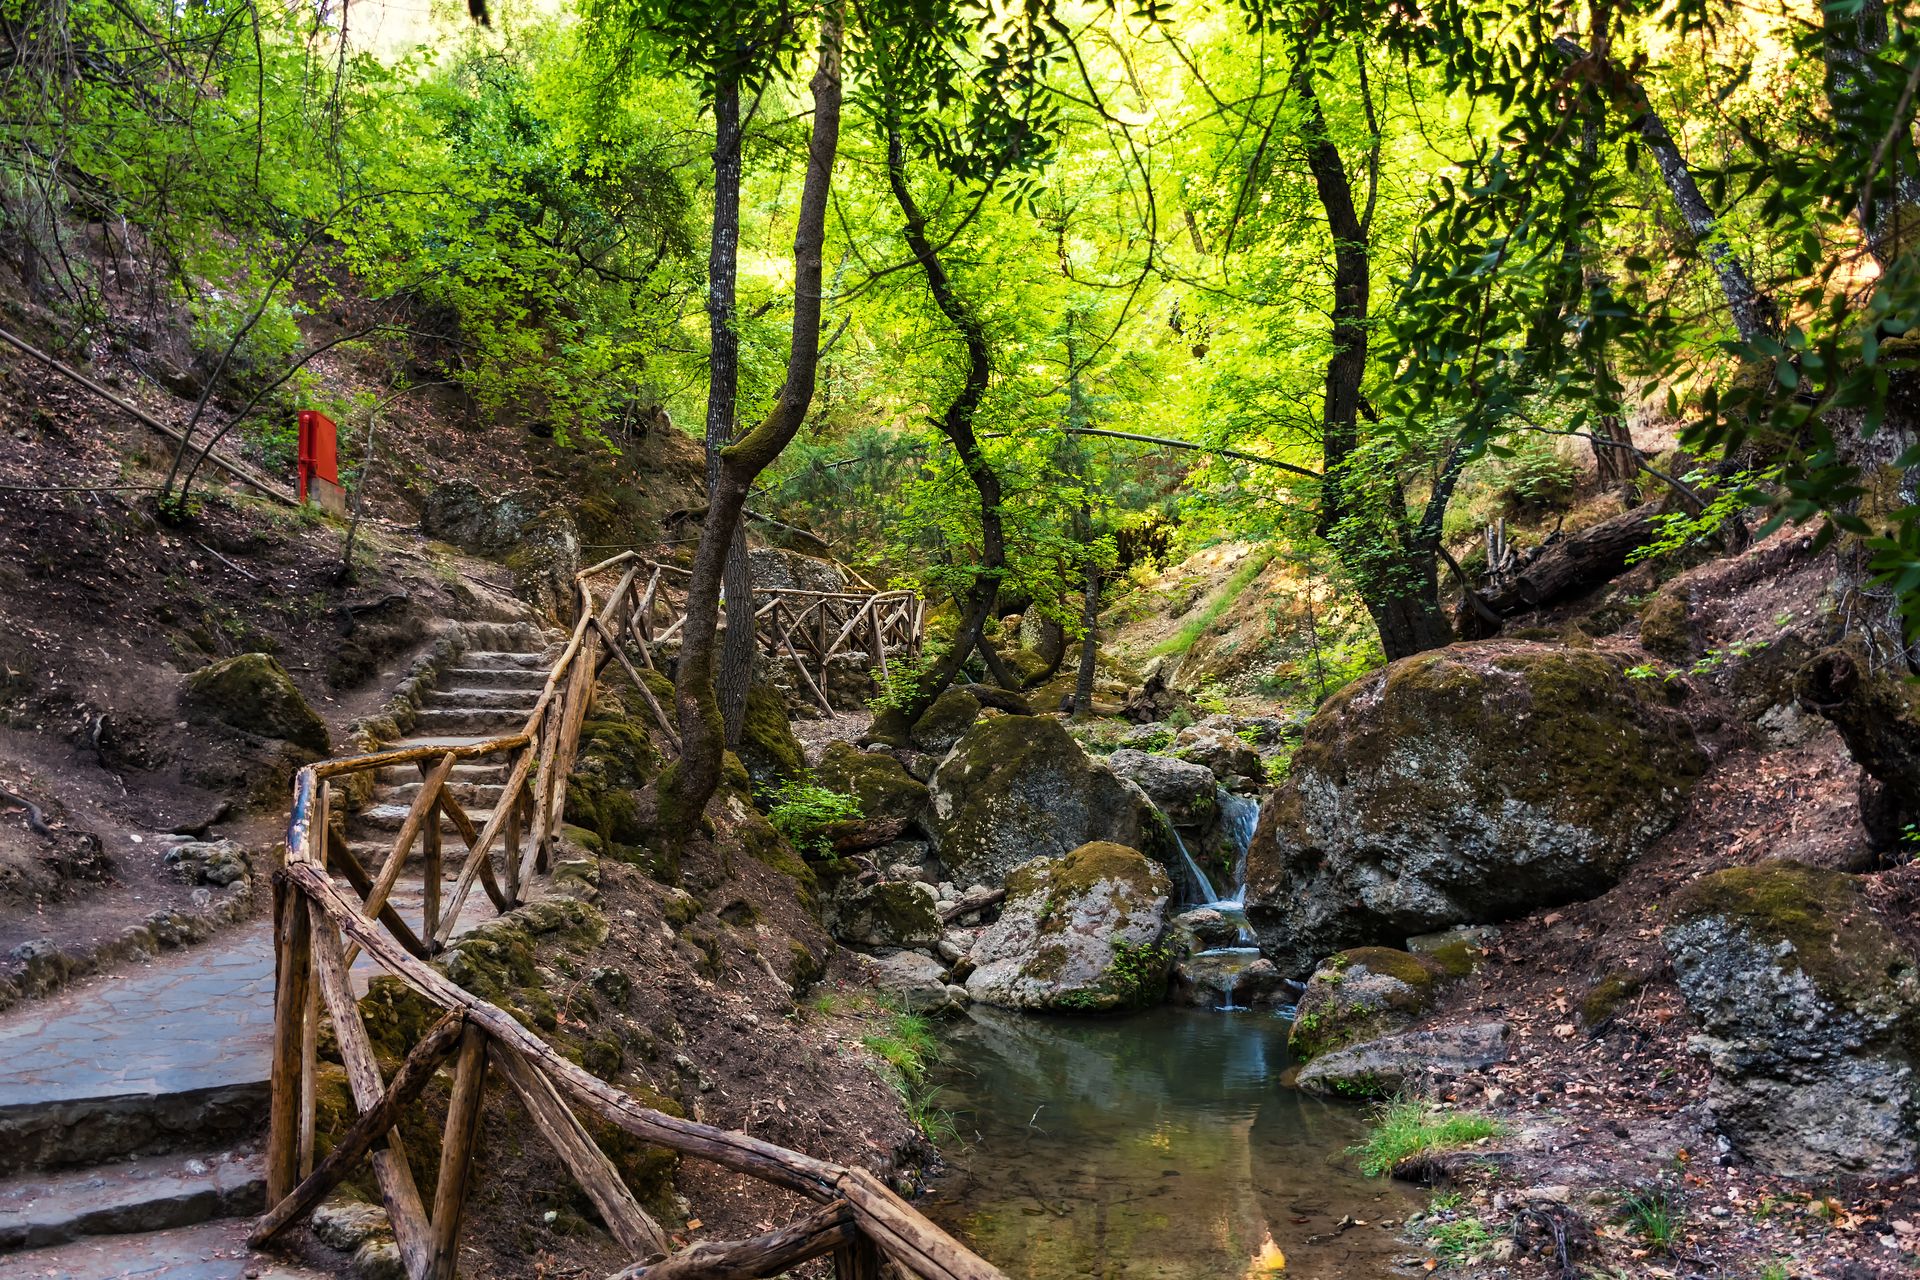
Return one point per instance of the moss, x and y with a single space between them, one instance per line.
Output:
254 693
880 783
1838 942
603 1056
768 749
765 845
1456 959
1079 871
396 1016
491 959
616 759
902 909
1028 667
1335 1011
1608 993
951 715
1665 625
1417 972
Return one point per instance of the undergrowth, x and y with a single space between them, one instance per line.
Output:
906 1045
1195 627
1405 1128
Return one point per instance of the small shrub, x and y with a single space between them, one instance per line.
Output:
804 812
1458 1241
1653 1217
905 1043
1405 1128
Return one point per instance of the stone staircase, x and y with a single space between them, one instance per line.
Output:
132 1106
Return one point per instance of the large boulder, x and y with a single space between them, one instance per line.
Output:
544 561
768 747
1406 1062
1019 787
1183 791
1466 785
476 519
253 692
946 721
776 568
1223 751
1077 934
1359 995
880 783
886 913
1809 1008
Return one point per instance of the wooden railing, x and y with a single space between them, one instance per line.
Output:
320 928
809 628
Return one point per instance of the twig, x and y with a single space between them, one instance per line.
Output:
223 560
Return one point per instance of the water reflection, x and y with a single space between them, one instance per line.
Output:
1157 1146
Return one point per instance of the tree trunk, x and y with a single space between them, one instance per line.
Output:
1880 723
1404 600
1851 46
1568 568
1089 642
723 393
957 425
683 789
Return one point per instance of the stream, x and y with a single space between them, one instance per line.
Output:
1159 1145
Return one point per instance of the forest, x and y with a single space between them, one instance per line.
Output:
754 586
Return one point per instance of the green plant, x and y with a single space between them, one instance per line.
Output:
1652 1216
804 812
907 1047
1404 1128
1197 626
1459 1240
1774 1271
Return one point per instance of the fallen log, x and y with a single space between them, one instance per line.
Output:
971 903
1006 700
855 835
1565 569
819 1233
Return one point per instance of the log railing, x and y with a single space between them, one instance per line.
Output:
808 628
319 929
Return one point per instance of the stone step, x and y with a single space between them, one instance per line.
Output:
150 1194
465 696
469 794
491 772
388 817
505 660
480 723
210 1251
169 1056
532 679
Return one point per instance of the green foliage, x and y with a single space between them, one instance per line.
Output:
805 813
1457 1239
1223 600
907 1045
1405 1128
1652 1215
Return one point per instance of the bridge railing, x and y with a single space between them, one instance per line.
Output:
320 928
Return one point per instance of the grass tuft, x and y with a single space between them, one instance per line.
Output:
1405 1128
907 1045
1653 1217
1183 639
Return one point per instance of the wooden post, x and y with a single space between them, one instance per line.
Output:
390 1167
432 871
456 1152
513 801
629 1223
857 1261
879 640
293 979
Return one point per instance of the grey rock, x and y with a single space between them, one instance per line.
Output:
888 913
1184 791
474 519
215 862
1223 751
1019 787
917 981
1809 1010
1386 1066
1079 934
1473 783
775 568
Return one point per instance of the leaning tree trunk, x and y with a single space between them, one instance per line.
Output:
1878 718
681 793
895 722
723 393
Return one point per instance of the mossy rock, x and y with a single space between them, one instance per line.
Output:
1808 1004
1607 993
1467 785
1016 787
950 716
1028 667
768 749
1666 629
1359 995
254 693
1081 933
891 913
880 783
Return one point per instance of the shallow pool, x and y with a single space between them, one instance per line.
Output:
1158 1145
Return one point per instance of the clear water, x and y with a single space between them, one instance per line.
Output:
1159 1146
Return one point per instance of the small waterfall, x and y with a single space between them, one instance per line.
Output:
1238 816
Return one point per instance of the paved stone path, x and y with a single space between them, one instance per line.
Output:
190 1020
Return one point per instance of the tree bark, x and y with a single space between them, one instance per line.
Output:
956 424
1404 602
684 788
1851 44
723 395
1567 569
1089 642
1879 721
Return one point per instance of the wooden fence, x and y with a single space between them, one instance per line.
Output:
808 628
319 929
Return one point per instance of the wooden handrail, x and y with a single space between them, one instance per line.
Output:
319 929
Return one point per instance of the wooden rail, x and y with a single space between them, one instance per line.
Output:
808 628
319 928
